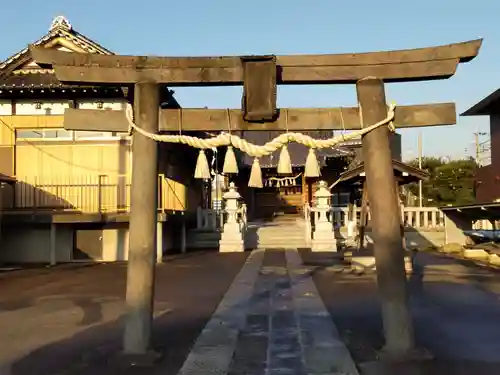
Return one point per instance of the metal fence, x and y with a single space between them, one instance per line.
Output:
88 194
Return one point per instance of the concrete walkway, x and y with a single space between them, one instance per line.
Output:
271 321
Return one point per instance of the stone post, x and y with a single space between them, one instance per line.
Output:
231 236
324 232
351 222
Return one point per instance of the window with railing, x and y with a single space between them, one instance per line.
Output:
65 135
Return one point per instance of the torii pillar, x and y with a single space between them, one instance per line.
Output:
142 231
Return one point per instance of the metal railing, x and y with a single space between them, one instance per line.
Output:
86 194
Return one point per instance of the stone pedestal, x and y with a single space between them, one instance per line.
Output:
351 233
324 233
232 235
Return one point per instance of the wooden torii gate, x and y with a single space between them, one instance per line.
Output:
259 76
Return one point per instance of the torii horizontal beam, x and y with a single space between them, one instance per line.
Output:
292 119
391 66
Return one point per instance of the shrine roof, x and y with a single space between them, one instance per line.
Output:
405 172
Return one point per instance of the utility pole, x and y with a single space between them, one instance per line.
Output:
420 167
478 146
478 149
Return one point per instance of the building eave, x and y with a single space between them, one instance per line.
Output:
487 106
4 179
412 173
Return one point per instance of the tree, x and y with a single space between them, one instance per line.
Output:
450 182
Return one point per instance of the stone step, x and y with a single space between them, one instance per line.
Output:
287 231
204 234
282 235
281 239
283 245
202 240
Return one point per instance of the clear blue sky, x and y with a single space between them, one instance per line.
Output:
224 27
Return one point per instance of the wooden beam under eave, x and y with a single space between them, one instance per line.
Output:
299 119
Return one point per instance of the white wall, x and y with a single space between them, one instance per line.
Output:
28 107
57 107
5 108
115 243
113 104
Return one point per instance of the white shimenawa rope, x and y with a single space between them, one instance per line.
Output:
256 151
283 178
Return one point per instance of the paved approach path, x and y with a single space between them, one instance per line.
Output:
271 321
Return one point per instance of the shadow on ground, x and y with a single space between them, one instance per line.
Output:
188 290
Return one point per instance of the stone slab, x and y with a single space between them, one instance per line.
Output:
214 349
322 350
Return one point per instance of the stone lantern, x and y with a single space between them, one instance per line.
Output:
324 233
232 233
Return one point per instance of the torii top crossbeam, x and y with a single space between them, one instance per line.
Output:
391 66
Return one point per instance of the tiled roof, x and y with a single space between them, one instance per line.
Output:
36 78
30 80
65 31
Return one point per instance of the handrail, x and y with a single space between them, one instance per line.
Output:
84 194
413 217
